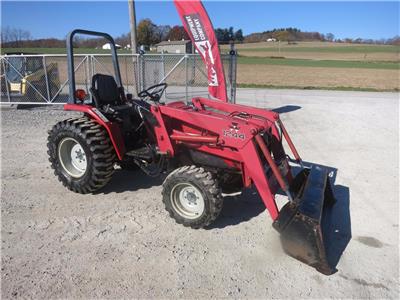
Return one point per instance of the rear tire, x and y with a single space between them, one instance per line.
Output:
192 196
81 154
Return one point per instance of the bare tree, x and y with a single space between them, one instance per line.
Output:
14 36
162 32
330 37
5 34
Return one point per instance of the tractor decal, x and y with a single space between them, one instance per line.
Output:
235 134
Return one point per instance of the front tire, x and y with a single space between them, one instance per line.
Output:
81 154
192 196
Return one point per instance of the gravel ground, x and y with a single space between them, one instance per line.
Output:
121 243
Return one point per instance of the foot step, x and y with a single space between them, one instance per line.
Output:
141 153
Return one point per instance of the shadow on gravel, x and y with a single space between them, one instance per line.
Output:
338 235
286 109
129 181
337 223
242 208
239 209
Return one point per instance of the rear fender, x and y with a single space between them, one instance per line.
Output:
113 129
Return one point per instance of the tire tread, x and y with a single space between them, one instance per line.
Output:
101 151
203 180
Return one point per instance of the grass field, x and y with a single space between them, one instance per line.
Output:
317 77
303 65
319 63
315 47
335 49
320 51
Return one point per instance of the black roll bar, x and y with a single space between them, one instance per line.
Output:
70 57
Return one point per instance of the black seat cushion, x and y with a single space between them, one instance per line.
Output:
105 90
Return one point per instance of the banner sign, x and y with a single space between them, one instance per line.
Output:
198 26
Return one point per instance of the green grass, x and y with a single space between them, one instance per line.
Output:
336 49
318 63
272 48
335 88
251 60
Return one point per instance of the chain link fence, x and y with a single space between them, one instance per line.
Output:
43 79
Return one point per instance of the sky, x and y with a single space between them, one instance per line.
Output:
46 19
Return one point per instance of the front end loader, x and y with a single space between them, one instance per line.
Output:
203 148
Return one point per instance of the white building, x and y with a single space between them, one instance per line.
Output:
108 46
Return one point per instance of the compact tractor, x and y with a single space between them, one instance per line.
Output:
203 148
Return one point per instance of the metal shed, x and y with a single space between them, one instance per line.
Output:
184 46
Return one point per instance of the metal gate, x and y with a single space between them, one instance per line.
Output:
43 79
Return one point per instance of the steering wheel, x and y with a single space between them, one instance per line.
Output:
153 92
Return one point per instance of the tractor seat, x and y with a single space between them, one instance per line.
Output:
105 91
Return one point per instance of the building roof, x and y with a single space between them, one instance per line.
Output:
165 43
109 44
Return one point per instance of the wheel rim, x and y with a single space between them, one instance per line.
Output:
187 200
72 157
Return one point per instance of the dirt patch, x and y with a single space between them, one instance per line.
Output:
322 77
374 56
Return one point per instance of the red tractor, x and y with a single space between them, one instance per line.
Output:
205 147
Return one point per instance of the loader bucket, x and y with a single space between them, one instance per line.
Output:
304 222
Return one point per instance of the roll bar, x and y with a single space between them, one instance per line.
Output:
70 58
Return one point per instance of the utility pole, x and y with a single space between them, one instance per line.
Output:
132 23
279 47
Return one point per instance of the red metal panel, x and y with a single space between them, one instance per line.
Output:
271 163
113 129
217 124
254 169
257 116
289 141
163 140
231 108
223 152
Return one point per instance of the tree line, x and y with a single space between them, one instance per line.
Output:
148 33
291 34
14 36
